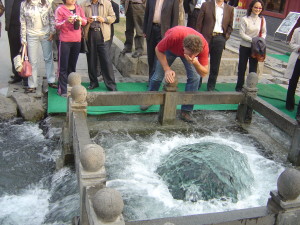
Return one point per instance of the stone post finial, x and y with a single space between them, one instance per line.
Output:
92 157
171 87
288 184
79 94
108 205
252 80
74 79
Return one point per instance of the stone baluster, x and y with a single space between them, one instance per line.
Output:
167 112
244 112
105 207
285 202
91 175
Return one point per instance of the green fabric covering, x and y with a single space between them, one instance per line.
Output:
284 58
272 93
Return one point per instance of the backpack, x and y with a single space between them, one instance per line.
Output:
258 45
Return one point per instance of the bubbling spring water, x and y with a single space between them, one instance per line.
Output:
165 175
31 191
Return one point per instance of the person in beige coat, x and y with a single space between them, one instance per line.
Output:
100 15
293 70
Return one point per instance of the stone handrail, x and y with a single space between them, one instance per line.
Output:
101 205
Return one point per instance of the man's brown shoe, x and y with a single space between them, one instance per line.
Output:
187 117
145 107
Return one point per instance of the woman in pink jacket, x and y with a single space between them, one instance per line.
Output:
68 19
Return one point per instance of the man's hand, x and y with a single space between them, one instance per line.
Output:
51 36
169 76
190 59
101 19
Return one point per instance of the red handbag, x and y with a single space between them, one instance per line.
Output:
27 68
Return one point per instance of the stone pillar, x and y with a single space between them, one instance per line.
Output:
105 207
167 111
91 173
286 201
294 153
244 112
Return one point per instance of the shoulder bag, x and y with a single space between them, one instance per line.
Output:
258 45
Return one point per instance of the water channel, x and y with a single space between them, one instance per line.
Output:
33 192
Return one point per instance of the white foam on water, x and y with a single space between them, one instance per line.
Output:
28 208
137 178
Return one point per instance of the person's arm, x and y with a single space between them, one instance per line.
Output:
264 29
230 24
243 28
51 23
295 40
201 16
23 23
169 73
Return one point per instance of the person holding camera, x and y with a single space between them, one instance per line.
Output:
37 28
97 32
69 18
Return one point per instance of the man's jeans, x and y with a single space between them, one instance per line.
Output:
193 78
33 43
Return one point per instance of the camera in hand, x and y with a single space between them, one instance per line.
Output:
76 24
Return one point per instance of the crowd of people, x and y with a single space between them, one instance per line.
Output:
61 27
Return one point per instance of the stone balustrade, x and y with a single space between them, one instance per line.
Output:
101 205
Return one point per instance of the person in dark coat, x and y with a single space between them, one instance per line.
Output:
13 28
159 17
215 23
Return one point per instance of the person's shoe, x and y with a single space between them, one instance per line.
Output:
186 117
52 85
298 117
136 54
30 90
238 89
15 80
125 50
93 86
145 107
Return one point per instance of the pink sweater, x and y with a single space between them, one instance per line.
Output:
67 32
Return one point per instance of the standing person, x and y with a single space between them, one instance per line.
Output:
13 28
1 13
293 70
160 15
37 28
116 9
55 44
134 12
192 48
250 28
68 19
97 32
192 8
215 22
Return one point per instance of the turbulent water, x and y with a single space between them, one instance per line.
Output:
133 160
32 192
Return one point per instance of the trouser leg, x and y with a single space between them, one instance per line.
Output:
152 41
290 97
138 20
244 54
105 63
216 47
14 45
129 29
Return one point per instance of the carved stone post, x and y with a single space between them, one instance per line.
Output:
244 112
91 173
294 153
105 207
286 201
167 111
74 79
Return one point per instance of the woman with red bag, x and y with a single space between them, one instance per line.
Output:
68 20
37 28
